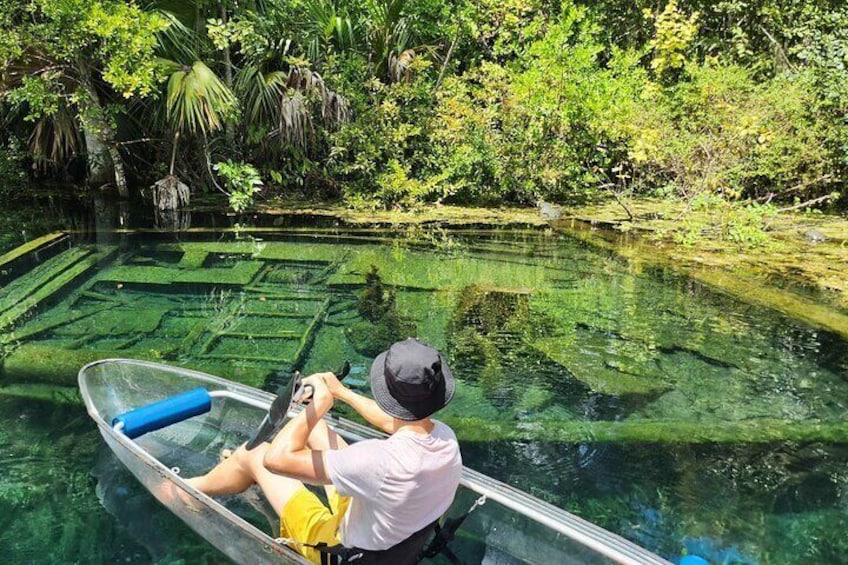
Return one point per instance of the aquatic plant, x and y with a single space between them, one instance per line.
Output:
382 324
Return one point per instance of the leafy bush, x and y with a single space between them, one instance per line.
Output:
539 128
722 133
241 181
379 155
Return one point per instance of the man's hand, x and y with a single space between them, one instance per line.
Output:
322 396
334 385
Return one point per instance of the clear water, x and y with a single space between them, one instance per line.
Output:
679 418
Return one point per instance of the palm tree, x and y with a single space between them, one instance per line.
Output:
196 102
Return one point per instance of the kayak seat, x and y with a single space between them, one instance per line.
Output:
407 552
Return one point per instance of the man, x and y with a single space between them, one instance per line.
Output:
380 492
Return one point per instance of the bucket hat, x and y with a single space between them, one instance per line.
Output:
411 380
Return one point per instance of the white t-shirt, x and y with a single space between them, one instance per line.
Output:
398 485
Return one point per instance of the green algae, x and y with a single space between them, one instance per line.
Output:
32 362
193 258
529 407
430 311
442 215
603 371
21 288
45 325
31 246
802 280
239 274
261 250
114 321
410 269
43 392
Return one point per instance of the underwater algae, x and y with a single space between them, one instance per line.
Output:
256 307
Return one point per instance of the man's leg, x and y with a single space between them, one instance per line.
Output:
323 438
241 470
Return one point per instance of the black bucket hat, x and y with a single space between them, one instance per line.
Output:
411 380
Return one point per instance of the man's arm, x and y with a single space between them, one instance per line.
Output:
366 407
289 453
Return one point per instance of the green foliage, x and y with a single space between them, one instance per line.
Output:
381 154
535 130
673 36
505 29
391 103
125 39
722 133
713 217
68 59
56 37
38 95
242 182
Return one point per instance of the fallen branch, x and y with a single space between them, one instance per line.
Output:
779 49
447 60
768 197
134 141
808 203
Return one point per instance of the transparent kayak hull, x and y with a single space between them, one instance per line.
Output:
512 527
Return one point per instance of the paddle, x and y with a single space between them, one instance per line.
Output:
276 416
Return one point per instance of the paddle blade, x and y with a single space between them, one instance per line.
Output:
276 416
261 434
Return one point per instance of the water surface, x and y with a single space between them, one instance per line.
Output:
680 418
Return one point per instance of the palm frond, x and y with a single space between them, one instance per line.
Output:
260 93
55 139
398 65
197 100
329 24
177 40
303 89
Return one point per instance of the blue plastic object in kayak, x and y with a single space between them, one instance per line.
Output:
163 413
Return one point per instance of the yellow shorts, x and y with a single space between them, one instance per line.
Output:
305 519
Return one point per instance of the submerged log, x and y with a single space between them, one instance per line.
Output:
43 392
53 278
31 363
31 246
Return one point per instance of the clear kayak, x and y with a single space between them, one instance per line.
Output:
510 527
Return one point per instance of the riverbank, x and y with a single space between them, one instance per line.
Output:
801 269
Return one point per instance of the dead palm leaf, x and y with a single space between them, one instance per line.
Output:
170 193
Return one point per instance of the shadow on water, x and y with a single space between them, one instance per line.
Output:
682 419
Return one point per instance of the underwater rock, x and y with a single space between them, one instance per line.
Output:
549 211
815 236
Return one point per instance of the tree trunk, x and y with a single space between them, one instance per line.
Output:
103 155
228 73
